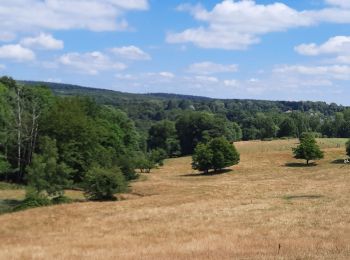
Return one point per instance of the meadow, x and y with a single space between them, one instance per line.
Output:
269 206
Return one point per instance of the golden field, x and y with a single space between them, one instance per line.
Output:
268 207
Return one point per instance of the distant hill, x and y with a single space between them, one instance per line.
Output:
112 96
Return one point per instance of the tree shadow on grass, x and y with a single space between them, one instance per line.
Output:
7 205
311 196
338 161
211 173
301 165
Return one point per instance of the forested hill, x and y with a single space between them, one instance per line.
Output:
258 119
117 98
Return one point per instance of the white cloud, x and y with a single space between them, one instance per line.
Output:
235 25
339 72
131 53
206 79
341 3
43 41
166 74
16 52
208 67
90 63
96 15
338 45
231 83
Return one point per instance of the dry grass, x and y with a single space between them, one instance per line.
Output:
176 214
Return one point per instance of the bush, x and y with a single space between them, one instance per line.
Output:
102 184
61 200
158 156
33 199
127 167
348 148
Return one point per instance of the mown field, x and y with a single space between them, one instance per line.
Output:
270 206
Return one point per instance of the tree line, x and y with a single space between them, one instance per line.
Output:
52 141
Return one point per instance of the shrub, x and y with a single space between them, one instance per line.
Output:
127 167
102 184
157 156
33 199
61 200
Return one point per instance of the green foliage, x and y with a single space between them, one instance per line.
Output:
217 154
159 133
195 127
127 166
287 128
4 167
157 156
102 184
144 163
45 174
61 200
348 148
308 149
202 158
33 199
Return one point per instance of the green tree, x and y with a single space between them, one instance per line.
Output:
202 158
159 134
224 153
308 149
287 128
216 155
103 184
45 174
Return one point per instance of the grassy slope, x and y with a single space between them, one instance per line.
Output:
265 202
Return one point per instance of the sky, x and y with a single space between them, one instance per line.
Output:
273 50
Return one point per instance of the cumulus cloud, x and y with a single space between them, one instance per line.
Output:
96 15
338 46
131 53
43 41
90 63
16 52
208 67
235 25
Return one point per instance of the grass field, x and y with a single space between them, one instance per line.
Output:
268 207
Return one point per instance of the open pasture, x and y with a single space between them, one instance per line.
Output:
270 206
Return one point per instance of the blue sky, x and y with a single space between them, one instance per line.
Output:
286 50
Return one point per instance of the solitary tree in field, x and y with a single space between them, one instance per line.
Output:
308 149
216 155
348 148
